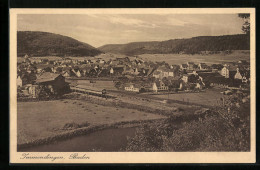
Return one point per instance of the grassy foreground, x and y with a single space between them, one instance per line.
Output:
43 119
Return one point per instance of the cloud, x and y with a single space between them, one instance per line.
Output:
89 29
130 21
100 29
176 22
125 21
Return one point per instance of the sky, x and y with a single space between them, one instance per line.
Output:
101 29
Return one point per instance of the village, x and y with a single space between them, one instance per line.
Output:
150 91
53 78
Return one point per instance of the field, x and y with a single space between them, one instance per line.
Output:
197 58
210 97
108 85
43 119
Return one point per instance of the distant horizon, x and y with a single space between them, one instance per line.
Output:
102 29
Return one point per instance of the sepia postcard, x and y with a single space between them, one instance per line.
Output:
132 85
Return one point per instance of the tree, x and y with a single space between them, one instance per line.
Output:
246 25
118 84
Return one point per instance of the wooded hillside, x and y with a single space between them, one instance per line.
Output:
36 43
189 46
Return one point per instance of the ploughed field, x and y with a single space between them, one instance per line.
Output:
43 119
210 97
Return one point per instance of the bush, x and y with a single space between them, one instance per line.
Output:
71 126
190 133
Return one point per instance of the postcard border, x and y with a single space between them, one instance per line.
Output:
131 157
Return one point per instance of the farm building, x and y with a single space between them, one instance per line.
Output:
53 83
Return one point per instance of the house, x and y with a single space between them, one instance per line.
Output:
199 85
56 69
19 82
101 61
181 86
117 70
131 87
128 71
43 67
33 90
114 62
183 66
161 86
144 71
66 60
156 74
222 82
55 83
154 87
194 72
242 75
111 71
104 72
31 69
78 73
191 78
191 66
136 71
203 66
216 67
150 71
245 79
26 56
85 71
228 71
94 72
26 59
67 73
238 75
206 77
162 72
27 78
75 61
185 78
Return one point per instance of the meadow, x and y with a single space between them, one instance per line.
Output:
197 58
46 118
210 97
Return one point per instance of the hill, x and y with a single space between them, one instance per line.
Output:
189 46
36 43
